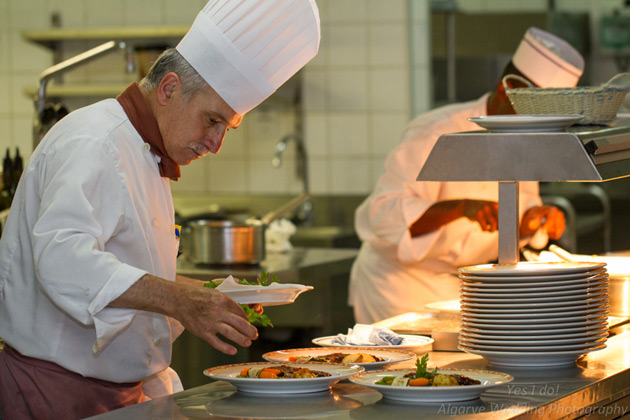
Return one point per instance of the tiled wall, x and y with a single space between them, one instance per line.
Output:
357 93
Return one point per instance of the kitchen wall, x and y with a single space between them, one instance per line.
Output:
372 74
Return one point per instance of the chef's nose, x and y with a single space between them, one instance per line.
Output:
216 141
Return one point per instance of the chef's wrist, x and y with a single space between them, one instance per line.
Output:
150 293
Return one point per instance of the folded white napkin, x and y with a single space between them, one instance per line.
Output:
278 234
368 335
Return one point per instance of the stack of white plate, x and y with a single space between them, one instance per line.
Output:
533 313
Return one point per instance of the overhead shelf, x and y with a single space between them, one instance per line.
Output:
80 90
136 35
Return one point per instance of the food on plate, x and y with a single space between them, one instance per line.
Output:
339 358
423 377
262 280
281 372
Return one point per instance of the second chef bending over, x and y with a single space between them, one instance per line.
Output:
416 234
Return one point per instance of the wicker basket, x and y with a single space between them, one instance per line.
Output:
598 104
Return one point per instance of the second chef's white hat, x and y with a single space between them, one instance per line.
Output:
246 49
547 60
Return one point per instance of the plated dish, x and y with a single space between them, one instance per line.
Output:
525 123
415 343
383 357
271 295
432 394
257 385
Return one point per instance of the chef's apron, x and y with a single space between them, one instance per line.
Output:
36 389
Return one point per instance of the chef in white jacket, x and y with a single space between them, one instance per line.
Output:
90 302
416 234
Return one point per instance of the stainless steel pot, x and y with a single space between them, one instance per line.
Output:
226 242
231 242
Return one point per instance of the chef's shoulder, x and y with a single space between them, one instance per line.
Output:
96 120
87 133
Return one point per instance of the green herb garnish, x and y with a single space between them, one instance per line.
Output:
421 368
253 316
385 380
264 278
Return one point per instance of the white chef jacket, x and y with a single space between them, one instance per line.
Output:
90 217
395 273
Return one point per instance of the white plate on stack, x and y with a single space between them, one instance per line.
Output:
510 303
533 313
534 292
522 285
540 311
532 339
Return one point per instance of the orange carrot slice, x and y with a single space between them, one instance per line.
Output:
418 382
268 374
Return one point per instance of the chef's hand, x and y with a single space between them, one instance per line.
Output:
484 212
208 314
548 218
256 306
205 312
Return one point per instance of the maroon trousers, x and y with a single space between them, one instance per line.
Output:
36 389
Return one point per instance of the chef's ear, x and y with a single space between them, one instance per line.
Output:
167 87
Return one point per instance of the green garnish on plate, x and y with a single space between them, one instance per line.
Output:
262 280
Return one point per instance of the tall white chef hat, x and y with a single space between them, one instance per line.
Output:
246 49
547 60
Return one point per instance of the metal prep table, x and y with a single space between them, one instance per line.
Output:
599 386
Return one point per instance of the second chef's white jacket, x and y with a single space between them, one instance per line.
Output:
91 216
395 273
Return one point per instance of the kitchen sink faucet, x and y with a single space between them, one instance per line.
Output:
305 211
39 127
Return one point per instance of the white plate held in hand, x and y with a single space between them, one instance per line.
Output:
272 295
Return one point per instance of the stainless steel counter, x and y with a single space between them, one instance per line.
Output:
327 261
599 385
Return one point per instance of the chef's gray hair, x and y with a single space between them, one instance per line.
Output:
172 61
